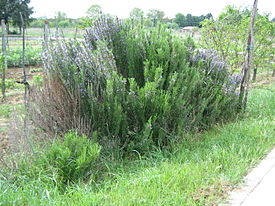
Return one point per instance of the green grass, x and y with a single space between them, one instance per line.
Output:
197 171
9 83
5 110
17 91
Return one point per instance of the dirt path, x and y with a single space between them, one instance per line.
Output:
14 97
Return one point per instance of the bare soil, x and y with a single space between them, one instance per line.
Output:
13 97
17 73
264 78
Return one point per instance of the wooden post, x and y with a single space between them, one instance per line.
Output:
56 33
248 60
4 51
23 47
254 73
27 86
46 34
75 34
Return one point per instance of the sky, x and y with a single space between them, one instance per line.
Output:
122 8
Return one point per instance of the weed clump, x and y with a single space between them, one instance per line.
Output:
63 162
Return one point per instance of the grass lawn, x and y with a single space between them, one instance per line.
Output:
199 170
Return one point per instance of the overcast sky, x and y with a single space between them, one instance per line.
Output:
121 8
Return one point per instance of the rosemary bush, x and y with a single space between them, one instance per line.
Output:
140 87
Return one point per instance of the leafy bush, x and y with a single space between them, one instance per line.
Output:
64 162
37 23
64 24
9 83
32 57
138 87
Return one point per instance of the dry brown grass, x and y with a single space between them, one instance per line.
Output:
54 109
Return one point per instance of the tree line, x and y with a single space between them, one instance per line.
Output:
10 12
151 18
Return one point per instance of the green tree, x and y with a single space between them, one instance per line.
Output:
227 36
172 25
10 11
190 20
61 20
65 24
180 19
59 16
92 13
137 14
38 23
209 16
263 49
155 16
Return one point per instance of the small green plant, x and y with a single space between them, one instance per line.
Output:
38 80
34 70
5 111
74 158
64 161
9 83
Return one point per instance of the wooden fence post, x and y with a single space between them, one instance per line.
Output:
4 53
56 32
23 48
46 34
27 86
248 60
75 34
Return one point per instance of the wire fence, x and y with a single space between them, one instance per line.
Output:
34 37
33 40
